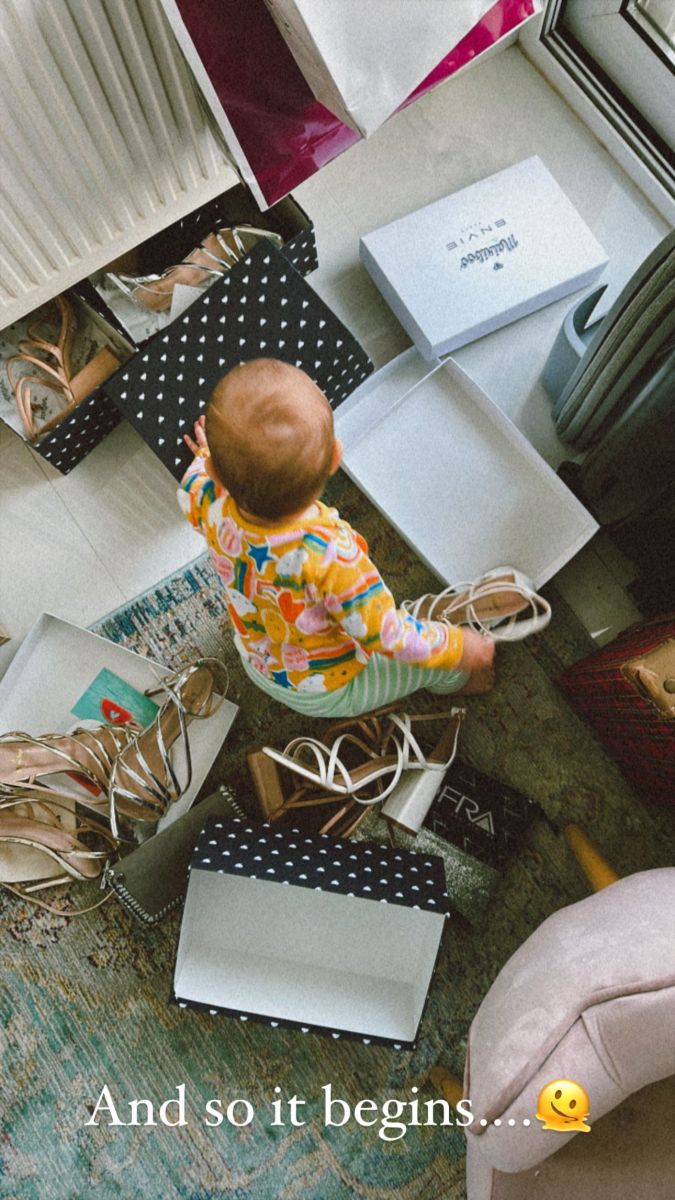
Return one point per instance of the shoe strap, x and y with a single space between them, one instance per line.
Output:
164 794
40 796
320 752
403 722
410 743
173 683
98 753
59 912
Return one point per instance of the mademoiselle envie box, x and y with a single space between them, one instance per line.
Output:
482 257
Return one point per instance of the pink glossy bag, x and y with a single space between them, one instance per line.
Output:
277 132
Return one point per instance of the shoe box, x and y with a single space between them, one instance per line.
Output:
261 308
480 258
58 664
454 475
316 933
103 316
77 434
172 245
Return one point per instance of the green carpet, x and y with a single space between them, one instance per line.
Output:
83 1002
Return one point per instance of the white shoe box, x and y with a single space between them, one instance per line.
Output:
452 473
58 661
318 933
482 257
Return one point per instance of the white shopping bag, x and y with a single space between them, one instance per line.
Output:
363 58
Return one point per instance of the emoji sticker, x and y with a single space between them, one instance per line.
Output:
563 1105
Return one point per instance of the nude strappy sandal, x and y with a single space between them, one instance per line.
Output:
502 604
54 362
216 254
85 755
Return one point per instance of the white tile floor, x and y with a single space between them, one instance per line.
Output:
80 545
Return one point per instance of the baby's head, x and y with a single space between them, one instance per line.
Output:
271 440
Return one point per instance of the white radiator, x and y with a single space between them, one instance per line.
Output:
105 140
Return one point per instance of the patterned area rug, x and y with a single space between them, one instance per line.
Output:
83 1002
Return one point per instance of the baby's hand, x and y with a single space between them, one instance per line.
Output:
198 444
478 652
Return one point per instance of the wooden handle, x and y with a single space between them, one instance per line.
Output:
450 1087
596 868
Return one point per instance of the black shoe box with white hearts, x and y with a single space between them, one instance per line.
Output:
315 933
73 439
78 433
261 308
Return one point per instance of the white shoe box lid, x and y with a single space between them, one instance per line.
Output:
482 257
452 473
56 663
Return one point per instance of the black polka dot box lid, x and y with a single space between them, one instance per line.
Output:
262 308
312 932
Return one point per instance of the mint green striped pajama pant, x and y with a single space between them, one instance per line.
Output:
381 681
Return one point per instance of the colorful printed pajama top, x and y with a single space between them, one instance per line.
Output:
306 601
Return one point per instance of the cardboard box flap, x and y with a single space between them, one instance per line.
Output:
261 308
322 863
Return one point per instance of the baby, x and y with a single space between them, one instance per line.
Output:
315 624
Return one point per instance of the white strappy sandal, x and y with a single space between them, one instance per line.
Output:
502 604
322 766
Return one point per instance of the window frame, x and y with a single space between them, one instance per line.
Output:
598 98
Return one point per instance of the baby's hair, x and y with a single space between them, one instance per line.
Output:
270 435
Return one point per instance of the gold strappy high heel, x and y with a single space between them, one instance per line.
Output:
143 783
44 843
53 359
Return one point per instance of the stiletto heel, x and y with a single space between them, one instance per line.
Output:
409 803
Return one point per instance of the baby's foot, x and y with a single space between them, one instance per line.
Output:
481 681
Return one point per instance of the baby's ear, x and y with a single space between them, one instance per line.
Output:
336 459
211 471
